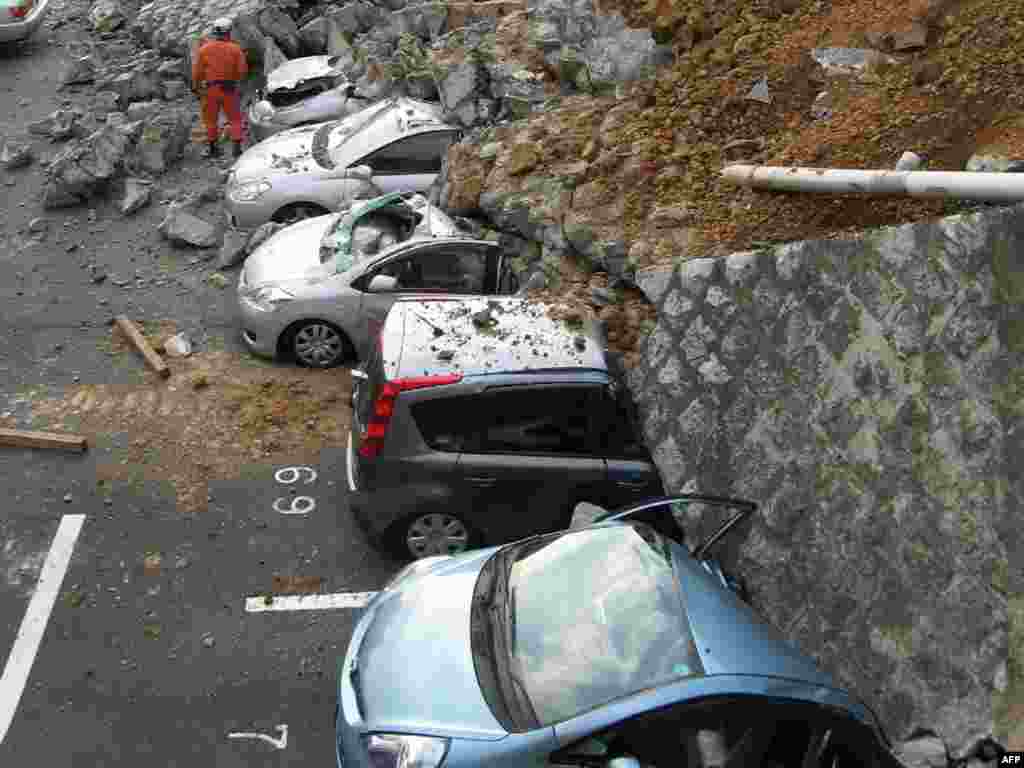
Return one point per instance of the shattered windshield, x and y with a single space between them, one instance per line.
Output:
366 230
592 616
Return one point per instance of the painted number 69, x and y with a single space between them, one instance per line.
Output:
299 505
289 475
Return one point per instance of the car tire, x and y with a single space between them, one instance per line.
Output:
296 212
317 344
399 536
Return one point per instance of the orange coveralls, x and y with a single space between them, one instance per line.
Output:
221 63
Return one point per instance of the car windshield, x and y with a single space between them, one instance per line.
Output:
365 230
589 616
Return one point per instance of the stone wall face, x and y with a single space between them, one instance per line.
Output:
869 394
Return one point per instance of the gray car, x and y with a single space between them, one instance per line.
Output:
479 421
311 89
392 146
319 290
611 645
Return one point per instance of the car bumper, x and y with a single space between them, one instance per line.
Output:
349 725
260 330
13 31
248 215
357 500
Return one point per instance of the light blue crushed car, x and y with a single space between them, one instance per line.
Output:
606 645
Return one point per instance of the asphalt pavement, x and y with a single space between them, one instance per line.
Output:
147 655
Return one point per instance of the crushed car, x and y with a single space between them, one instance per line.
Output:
318 291
312 89
612 645
481 420
395 145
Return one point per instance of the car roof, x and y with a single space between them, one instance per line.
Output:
427 336
382 123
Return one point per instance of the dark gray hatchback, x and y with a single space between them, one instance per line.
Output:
479 421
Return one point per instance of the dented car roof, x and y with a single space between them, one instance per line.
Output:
293 72
485 335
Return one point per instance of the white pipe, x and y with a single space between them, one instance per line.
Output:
966 185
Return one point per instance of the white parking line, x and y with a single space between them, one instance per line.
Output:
26 644
308 602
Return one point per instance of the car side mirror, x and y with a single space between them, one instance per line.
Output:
382 284
360 172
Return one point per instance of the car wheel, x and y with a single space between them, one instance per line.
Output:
433 533
296 212
318 344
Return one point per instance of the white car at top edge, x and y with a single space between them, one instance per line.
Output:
395 145
19 19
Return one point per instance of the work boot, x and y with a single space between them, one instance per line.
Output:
214 149
238 149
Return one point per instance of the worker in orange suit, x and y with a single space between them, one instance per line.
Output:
220 63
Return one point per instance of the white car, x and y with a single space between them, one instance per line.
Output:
311 89
19 19
395 145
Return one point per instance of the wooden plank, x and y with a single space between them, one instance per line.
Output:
129 329
20 438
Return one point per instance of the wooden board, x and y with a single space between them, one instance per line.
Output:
20 438
129 329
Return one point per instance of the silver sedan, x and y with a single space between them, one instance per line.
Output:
393 146
319 290
311 89
19 19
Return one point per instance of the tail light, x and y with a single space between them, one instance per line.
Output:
22 9
373 439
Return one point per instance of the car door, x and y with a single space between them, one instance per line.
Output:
685 518
730 732
532 456
410 163
632 473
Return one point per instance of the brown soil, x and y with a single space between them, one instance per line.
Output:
679 123
216 413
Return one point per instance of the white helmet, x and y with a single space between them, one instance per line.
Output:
222 25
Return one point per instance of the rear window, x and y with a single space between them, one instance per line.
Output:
445 422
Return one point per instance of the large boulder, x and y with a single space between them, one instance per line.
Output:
161 141
79 70
184 229
314 35
106 15
137 195
278 25
424 20
591 50
86 166
134 85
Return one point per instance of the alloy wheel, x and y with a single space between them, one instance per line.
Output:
436 534
318 345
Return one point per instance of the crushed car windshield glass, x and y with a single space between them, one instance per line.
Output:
367 229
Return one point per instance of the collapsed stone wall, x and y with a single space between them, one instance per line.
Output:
869 394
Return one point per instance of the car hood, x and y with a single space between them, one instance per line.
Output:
287 152
732 639
415 663
291 254
293 72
